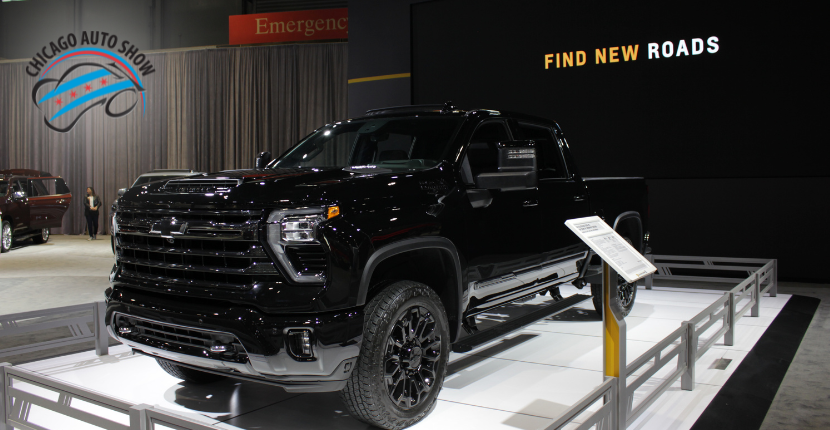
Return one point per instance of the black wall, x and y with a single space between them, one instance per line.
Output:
379 45
149 24
730 141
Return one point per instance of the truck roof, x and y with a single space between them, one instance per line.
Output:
447 108
24 172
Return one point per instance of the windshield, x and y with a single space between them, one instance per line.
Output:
406 143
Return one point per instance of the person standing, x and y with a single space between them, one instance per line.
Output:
91 205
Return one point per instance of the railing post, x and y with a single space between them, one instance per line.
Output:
687 380
3 399
773 291
138 417
101 338
756 295
729 336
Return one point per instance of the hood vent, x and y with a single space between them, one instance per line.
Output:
200 186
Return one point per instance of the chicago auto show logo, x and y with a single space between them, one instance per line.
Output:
103 78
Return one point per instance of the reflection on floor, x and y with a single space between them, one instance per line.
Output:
522 381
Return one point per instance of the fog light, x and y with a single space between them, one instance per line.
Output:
218 348
125 330
299 344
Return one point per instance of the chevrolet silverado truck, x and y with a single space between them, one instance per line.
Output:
356 259
32 203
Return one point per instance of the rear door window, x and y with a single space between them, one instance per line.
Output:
550 156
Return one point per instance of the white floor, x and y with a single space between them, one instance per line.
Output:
523 381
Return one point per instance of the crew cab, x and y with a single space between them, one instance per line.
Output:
32 202
357 258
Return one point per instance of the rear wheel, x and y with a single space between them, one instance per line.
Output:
43 238
6 237
403 357
188 374
625 294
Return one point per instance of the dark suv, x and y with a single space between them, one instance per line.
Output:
356 259
32 202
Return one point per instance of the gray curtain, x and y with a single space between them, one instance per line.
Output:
208 110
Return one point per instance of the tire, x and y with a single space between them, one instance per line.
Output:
6 237
44 236
188 374
626 293
414 362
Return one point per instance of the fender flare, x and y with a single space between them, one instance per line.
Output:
400 247
407 245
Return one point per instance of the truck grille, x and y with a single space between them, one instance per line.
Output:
185 340
204 248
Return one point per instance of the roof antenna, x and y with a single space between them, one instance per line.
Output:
448 107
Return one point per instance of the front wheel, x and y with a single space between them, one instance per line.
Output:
43 238
403 357
6 237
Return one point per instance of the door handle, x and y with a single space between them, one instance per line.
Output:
530 203
579 198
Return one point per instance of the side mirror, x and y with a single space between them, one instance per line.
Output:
516 168
121 191
19 195
263 159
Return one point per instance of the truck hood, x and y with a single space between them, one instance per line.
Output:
294 187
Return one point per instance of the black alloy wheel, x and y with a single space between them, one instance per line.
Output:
403 357
6 237
413 350
625 296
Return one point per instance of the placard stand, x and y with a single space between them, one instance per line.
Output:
619 260
613 342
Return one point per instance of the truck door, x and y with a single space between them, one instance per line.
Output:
502 237
19 205
48 201
562 195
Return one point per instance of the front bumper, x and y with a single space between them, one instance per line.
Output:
182 330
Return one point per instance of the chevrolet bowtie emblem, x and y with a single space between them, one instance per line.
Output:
168 228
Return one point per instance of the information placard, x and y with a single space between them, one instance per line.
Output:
611 247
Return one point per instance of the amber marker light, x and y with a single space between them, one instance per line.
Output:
333 212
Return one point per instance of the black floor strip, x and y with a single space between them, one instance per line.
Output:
742 403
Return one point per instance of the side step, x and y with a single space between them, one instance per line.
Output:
468 343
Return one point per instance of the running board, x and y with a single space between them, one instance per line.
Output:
468 343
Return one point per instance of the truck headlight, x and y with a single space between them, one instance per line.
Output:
295 227
299 229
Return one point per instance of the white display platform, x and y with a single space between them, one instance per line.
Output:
522 381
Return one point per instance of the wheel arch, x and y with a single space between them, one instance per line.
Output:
387 261
632 223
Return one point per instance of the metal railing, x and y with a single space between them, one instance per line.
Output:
688 347
78 328
73 402
691 264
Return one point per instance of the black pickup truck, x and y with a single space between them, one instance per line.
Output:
358 258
